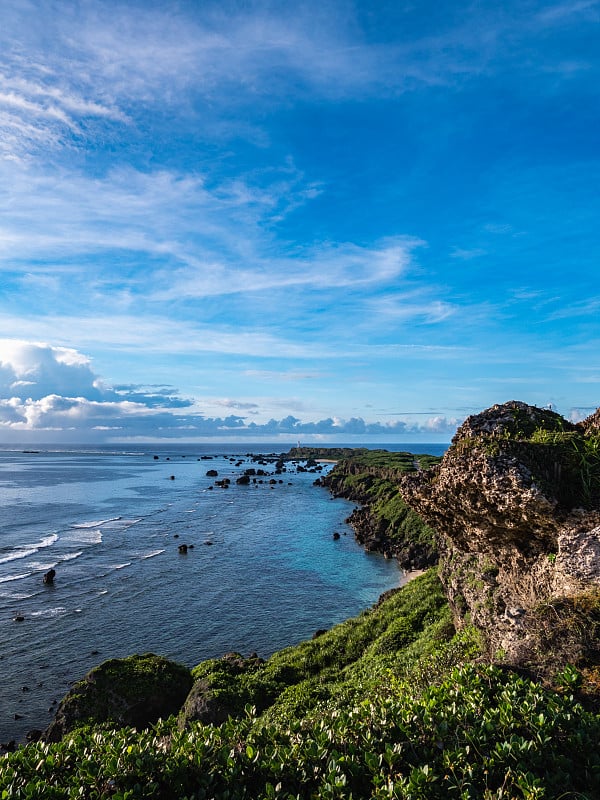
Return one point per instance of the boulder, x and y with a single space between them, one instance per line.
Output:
210 701
135 691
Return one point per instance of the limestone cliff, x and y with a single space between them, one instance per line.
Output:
515 503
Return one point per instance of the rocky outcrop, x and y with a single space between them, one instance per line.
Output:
209 700
134 691
49 577
515 504
383 523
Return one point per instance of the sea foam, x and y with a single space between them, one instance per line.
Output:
26 550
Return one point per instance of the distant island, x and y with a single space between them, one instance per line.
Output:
478 679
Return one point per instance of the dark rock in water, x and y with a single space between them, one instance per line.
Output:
208 542
9 747
156 458
243 480
34 735
136 691
212 473
172 478
183 548
17 716
49 576
336 536
18 618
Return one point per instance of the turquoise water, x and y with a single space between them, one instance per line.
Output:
110 523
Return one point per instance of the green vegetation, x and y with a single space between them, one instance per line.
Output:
574 460
385 523
394 704
130 691
387 705
364 458
410 623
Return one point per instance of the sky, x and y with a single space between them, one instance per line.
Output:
319 221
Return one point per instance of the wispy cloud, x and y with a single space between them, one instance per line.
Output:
411 307
558 13
64 74
162 335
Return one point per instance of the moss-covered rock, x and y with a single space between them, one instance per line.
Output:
216 694
134 691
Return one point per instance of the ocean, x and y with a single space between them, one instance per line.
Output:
262 569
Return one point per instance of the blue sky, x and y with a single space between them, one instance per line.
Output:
351 221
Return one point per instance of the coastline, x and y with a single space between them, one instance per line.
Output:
141 550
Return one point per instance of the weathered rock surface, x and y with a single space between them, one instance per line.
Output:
515 504
209 701
134 691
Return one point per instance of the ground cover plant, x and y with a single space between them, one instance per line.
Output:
389 705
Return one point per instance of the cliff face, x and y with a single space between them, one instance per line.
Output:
384 523
515 503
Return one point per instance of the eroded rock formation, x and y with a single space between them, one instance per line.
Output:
515 503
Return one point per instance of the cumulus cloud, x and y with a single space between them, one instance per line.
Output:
52 393
33 370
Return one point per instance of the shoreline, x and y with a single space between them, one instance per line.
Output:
48 684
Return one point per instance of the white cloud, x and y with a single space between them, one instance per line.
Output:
48 391
327 266
35 369
466 254
411 307
137 243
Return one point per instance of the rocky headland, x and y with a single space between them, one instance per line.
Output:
515 503
382 521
